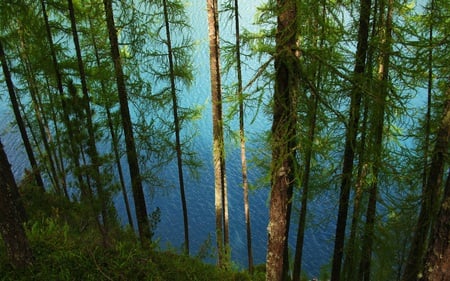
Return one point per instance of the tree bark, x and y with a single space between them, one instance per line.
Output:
350 138
11 218
136 182
218 140
283 137
437 260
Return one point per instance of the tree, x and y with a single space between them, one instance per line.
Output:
378 117
220 184
283 138
12 218
437 259
21 124
133 164
351 137
176 122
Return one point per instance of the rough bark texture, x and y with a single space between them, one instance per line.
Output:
218 144
283 137
437 260
136 181
11 219
350 138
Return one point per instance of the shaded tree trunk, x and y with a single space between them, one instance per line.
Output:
136 182
350 138
283 137
92 148
176 121
20 123
218 139
421 234
437 261
377 139
12 217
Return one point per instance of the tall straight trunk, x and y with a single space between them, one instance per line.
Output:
41 119
350 137
240 96
74 152
436 264
11 220
23 131
421 234
92 147
114 138
218 138
176 122
283 137
377 143
145 233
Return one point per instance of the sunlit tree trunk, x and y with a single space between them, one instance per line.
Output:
11 218
218 138
176 122
136 182
350 138
240 96
283 137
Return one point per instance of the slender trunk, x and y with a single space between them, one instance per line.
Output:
377 143
145 233
283 138
23 131
92 148
240 96
218 139
11 221
420 238
114 138
350 138
74 153
176 122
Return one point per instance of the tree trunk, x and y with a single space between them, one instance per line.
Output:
437 260
421 234
20 123
11 220
283 137
377 143
136 182
218 141
240 96
176 122
350 138
92 148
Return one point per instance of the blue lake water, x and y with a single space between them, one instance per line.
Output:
200 192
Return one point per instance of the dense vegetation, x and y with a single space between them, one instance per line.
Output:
357 93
